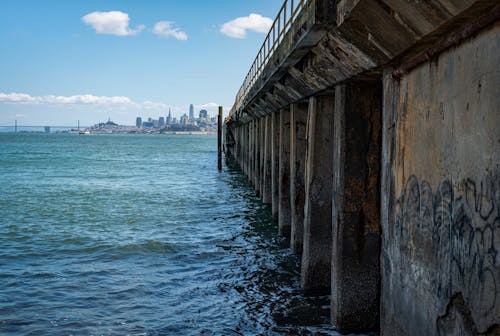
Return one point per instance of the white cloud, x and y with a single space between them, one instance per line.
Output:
23 98
86 99
167 29
149 105
208 106
112 23
120 105
238 27
16 98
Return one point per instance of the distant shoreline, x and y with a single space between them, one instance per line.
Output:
190 133
115 133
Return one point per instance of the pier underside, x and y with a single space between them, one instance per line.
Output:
373 131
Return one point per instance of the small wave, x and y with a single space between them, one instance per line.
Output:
153 246
105 247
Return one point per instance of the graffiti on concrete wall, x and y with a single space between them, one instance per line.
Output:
446 243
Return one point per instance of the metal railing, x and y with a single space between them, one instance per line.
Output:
281 25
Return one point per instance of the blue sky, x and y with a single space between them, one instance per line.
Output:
63 61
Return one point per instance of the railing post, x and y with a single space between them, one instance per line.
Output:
284 15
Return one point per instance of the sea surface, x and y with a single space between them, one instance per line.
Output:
141 235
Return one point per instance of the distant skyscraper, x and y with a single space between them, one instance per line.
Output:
169 118
138 122
191 112
161 122
203 114
184 120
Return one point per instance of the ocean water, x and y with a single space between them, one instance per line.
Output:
140 235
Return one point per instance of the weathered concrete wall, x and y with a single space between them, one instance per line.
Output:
441 194
356 204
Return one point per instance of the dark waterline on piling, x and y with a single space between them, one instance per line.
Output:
140 235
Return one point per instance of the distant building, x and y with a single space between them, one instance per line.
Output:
184 119
191 112
47 129
169 118
161 122
147 124
203 114
138 122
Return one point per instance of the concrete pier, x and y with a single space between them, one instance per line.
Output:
371 128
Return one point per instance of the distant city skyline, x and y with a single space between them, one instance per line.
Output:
202 117
86 60
204 109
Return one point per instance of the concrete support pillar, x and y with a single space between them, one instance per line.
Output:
390 312
266 188
256 153
241 132
316 254
250 152
356 206
247 152
241 158
244 142
284 174
245 148
262 127
275 140
298 146
251 159
237 153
